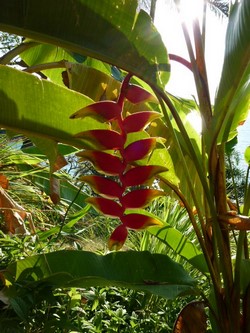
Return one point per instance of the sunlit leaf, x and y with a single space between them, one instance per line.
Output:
181 245
67 227
161 156
139 221
45 109
130 42
139 120
247 155
232 101
104 186
103 162
106 206
51 149
153 273
93 79
140 198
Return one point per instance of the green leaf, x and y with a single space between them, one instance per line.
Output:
47 54
44 54
62 149
50 149
162 157
111 31
154 273
247 155
67 228
245 275
181 245
232 101
20 158
69 193
92 82
40 108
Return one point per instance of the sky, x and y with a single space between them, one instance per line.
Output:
168 24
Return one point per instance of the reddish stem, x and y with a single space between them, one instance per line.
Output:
181 60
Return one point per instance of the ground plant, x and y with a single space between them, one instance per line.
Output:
93 81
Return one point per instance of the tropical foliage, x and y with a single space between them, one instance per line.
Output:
105 62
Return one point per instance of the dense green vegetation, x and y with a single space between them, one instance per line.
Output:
113 154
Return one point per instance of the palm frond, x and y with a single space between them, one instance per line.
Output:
220 7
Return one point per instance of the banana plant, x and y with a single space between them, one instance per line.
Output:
115 73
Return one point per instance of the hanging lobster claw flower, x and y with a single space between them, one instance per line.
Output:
103 186
118 238
139 221
139 121
141 174
136 94
103 162
140 198
102 139
106 206
113 153
138 150
103 111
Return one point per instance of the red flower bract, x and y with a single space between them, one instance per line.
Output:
136 94
104 110
138 121
102 139
141 174
106 206
118 238
103 162
140 198
114 153
105 187
139 149
139 221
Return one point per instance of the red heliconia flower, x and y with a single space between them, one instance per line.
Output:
139 121
136 94
140 198
102 139
103 162
104 111
111 153
141 174
138 150
118 238
103 186
106 206
139 221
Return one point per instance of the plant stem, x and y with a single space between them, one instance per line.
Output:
42 67
6 58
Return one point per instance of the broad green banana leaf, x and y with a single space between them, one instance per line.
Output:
40 108
109 30
232 101
181 245
154 273
50 54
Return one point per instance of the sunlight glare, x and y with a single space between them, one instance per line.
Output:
189 10
195 121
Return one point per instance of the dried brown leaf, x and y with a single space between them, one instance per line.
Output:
192 319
